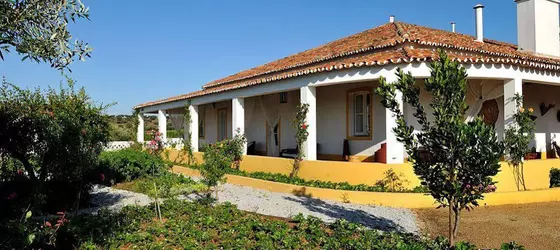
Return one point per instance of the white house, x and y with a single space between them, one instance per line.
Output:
337 81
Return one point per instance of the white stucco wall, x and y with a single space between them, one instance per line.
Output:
211 118
534 95
255 121
331 120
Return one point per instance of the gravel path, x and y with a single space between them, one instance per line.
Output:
114 199
288 205
279 205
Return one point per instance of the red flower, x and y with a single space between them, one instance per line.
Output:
48 224
11 196
102 177
304 126
20 172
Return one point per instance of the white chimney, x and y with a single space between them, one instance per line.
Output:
538 26
391 18
453 27
479 23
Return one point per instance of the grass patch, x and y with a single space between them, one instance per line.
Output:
168 185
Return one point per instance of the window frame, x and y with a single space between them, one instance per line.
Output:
350 113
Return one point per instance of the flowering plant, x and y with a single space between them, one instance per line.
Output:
517 139
301 136
155 146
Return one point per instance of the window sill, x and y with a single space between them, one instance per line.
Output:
359 138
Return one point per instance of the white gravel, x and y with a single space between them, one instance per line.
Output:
114 199
279 205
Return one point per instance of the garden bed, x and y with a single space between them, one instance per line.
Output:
381 186
189 225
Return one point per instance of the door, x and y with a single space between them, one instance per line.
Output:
222 124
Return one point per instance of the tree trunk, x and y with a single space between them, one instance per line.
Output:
523 177
457 220
451 233
28 167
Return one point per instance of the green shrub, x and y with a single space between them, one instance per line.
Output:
168 185
174 134
55 135
127 165
191 225
554 177
379 187
218 159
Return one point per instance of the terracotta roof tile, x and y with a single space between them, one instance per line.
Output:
377 46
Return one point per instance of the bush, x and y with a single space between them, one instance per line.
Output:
168 185
276 177
554 177
127 165
55 136
218 159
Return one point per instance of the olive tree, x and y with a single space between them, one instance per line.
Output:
454 159
38 30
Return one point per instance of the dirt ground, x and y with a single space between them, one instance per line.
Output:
536 226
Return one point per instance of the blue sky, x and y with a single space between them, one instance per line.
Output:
149 50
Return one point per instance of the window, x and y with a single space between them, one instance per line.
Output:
201 123
359 114
284 97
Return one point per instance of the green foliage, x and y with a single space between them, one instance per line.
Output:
218 159
168 185
194 226
174 134
454 159
38 30
321 184
301 136
554 177
392 181
517 139
512 246
187 145
127 165
56 135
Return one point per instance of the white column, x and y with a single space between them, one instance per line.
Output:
511 87
238 118
395 149
162 125
140 132
308 95
193 127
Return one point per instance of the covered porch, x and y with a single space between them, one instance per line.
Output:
347 121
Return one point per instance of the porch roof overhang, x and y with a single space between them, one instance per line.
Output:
397 44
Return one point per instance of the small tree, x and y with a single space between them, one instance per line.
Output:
517 139
301 136
218 159
454 159
38 30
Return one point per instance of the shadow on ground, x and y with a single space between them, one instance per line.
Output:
352 215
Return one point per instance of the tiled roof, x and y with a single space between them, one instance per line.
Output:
377 46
